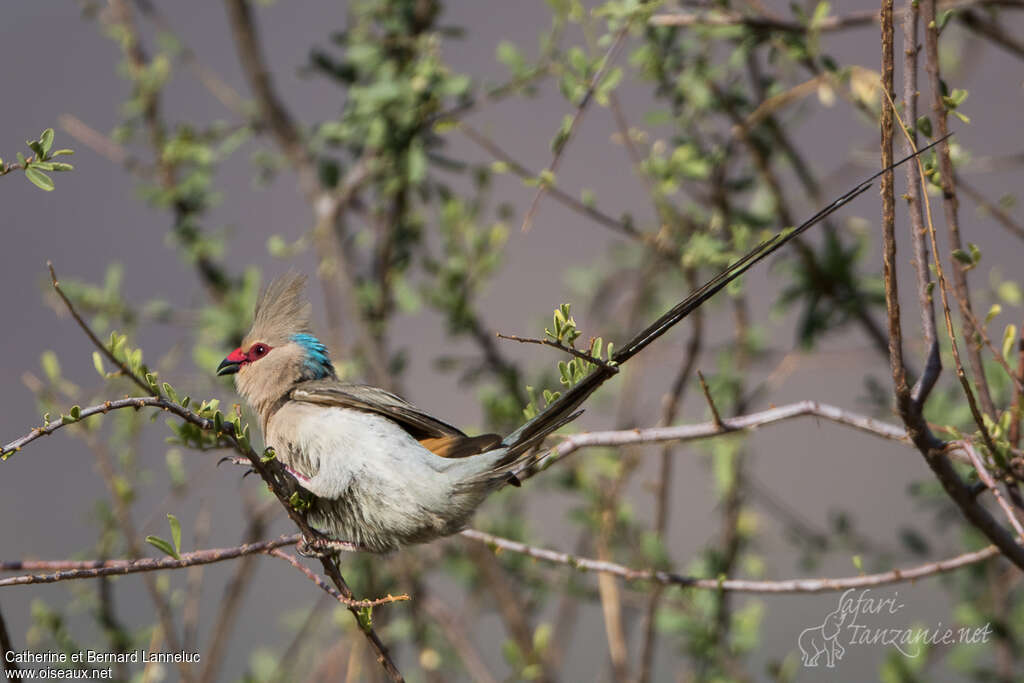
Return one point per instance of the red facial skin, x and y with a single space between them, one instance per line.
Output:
242 358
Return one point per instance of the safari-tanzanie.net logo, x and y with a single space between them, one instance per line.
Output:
864 620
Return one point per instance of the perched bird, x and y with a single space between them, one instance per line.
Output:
383 473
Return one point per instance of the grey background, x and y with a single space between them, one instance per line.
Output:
57 62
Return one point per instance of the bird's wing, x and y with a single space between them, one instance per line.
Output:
433 434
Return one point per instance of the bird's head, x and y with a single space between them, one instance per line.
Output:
280 349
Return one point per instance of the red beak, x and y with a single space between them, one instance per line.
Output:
232 363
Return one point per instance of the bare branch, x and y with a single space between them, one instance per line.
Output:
329 589
987 479
68 570
561 347
499 544
581 107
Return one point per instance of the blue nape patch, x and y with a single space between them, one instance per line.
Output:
318 363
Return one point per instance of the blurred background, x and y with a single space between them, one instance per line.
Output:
697 141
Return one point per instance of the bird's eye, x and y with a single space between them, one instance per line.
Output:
258 351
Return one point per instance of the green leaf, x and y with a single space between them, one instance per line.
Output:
163 546
175 532
1009 336
62 153
39 179
58 166
924 125
46 141
170 392
993 312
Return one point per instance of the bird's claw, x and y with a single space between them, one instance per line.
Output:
237 460
325 547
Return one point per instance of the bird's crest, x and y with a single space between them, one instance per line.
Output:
282 311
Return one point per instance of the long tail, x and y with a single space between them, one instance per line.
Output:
564 409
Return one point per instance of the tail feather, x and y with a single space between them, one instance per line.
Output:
561 411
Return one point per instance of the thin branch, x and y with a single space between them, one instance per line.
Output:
230 603
706 430
1002 217
92 335
993 30
764 23
918 231
581 107
892 298
68 570
951 205
987 479
272 109
329 589
561 347
556 192
460 640
716 419
213 83
498 544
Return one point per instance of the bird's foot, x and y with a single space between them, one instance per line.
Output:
237 460
325 547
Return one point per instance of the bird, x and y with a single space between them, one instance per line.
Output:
383 473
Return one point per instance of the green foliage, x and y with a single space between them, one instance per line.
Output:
40 162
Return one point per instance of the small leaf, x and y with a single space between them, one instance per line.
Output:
39 179
993 312
76 412
46 141
1009 336
97 362
924 125
62 153
175 532
162 545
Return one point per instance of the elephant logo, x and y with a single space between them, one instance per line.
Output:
822 640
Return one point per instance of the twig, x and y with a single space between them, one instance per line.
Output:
329 589
994 31
716 419
92 335
706 430
892 298
987 479
460 640
556 192
213 83
1002 217
764 23
194 581
951 206
230 603
68 570
581 107
918 231
824 585
272 109
561 347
